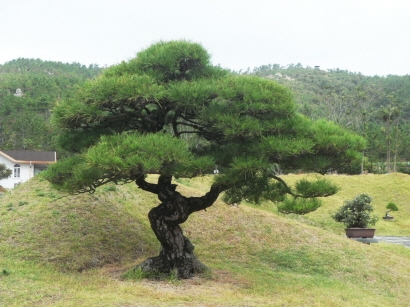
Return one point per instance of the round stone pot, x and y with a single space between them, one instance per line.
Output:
360 232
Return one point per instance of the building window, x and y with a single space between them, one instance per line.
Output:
16 170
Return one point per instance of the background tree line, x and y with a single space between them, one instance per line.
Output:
24 119
376 107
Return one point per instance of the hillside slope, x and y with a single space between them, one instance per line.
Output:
257 257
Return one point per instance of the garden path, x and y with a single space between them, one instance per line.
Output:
395 240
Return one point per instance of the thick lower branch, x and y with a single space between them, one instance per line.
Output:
203 202
146 186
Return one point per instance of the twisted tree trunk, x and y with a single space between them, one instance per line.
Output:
177 252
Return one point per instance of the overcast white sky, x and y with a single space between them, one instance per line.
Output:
367 36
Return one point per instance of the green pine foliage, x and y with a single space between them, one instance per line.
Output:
392 207
321 187
169 111
299 205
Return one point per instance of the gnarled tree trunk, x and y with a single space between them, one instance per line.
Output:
177 252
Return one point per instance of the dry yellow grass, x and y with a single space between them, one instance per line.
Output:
257 257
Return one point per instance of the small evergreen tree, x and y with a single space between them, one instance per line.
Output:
356 213
391 207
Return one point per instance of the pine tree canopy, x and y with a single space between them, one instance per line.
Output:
169 111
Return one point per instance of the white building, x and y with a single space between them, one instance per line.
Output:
25 164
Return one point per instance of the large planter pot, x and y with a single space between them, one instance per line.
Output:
360 232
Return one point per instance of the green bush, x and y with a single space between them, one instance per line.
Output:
356 213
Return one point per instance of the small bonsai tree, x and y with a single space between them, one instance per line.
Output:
356 213
391 207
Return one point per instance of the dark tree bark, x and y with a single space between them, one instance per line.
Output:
177 252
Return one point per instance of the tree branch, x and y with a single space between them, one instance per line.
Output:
146 186
203 202
288 189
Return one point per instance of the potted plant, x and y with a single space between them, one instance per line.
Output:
356 216
390 207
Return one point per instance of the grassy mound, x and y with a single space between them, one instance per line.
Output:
76 232
258 257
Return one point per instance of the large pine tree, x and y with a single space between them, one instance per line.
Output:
170 112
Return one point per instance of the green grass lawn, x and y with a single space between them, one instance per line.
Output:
58 250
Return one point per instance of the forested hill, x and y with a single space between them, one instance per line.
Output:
376 107
332 93
29 88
